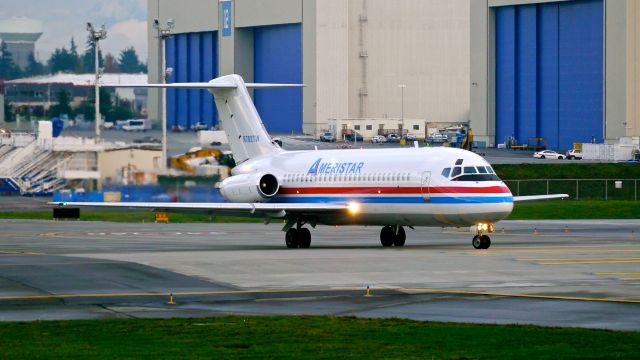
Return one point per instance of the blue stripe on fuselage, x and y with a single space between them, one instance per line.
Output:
396 200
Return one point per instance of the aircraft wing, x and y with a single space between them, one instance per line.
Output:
539 197
246 208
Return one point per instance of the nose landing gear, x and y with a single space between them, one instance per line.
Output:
481 241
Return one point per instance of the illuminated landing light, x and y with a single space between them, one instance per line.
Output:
379 192
297 191
354 208
483 228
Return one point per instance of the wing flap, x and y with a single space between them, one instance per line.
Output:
539 197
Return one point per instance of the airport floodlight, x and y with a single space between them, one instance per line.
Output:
164 73
95 36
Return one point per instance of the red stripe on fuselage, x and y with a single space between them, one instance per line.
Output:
394 190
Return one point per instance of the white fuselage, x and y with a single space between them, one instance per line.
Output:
401 186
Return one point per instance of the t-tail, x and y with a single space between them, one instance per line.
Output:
239 118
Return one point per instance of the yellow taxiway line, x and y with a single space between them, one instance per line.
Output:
591 262
575 259
301 291
617 273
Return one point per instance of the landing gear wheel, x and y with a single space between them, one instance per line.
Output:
476 242
387 236
485 241
400 237
304 238
292 238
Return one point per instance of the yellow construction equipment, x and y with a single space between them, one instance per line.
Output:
182 162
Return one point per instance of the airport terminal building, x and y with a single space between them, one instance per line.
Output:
565 71
360 59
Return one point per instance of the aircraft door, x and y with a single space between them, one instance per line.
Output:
426 177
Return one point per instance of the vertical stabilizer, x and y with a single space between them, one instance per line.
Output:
239 118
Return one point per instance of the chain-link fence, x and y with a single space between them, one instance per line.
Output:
578 189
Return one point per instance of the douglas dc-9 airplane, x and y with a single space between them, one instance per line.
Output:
392 188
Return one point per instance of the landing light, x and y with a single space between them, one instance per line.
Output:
354 208
484 227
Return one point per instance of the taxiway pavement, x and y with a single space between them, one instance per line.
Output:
553 273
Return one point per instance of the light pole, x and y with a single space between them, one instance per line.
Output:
95 36
163 34
402 87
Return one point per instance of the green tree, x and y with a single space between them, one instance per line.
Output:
8 112
110 64
75 57
63 105
129 62
8 69
87 108
61 60
88 59
34 67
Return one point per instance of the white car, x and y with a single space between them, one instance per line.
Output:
574 154
548 154
378 139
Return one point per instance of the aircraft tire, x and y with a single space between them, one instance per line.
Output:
400 237
387 236
304 238
486 241
477 242
292 238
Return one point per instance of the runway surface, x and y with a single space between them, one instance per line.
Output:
552 273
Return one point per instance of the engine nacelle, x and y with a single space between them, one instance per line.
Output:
253 187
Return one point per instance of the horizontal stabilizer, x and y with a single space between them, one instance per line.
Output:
204 85
539 197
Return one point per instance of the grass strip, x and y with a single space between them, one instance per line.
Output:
294 337
570 170
575 210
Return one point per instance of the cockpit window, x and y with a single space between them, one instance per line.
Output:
482 170
459 161
469 170
446 172
456 171
490 170
477 177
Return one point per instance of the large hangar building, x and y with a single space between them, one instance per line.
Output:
360 59
566 71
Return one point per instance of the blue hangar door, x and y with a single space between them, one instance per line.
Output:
549 72
277 51
194 58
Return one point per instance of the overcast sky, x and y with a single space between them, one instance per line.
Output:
125 21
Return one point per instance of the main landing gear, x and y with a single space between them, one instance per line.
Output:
392 235
298 238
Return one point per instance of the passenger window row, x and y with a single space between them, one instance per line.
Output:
330 178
